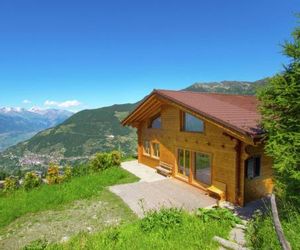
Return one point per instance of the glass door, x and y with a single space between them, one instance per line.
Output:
202 168
183 163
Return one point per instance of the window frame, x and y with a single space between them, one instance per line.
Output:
183 125
149 147
153 150
256 171
152 119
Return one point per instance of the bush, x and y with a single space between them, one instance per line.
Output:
80 170
103 161
116 158
163 219
36 245
53 176
100 162
11 183
31 180
220 214
67 173
3 175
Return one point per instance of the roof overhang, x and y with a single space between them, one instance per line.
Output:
149 106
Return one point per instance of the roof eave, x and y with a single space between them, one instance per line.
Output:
125 121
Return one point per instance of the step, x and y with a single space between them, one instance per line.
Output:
229 244
165 166
163 171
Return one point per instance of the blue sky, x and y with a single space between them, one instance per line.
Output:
87 54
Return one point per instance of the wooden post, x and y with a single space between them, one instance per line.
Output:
283 242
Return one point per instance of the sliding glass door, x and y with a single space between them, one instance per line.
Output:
194 167
202 168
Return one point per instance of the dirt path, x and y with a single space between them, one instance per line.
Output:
59 225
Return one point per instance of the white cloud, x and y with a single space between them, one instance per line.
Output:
26 101
65 104
68 104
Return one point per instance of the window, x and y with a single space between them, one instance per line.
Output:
155 122
192 123
156 152
147 147
184 162
253 167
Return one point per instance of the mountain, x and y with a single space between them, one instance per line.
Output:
228 87
75 140
91 131
17 124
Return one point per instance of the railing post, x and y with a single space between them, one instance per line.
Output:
283 242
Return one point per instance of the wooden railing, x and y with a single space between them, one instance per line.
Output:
280 234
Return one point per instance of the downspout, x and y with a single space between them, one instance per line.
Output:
238 153
238 149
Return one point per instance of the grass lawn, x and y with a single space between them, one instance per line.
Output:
54 197
167 230
88 215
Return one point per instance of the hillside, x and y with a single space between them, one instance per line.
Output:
18 124
91 131
75 140
228 87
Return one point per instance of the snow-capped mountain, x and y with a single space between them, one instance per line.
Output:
17 124
8 110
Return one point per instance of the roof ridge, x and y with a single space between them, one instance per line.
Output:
205 93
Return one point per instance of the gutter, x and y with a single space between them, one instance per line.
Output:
238 149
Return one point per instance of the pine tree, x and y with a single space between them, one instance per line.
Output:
280 109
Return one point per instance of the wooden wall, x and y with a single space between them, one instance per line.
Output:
263 184
212 141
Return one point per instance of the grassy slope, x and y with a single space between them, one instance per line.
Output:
87 215
192 233
261 232
87 132
54 197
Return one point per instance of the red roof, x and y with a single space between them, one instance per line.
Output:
238 112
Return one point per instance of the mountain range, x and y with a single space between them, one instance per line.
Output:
90 131
228 87
18 124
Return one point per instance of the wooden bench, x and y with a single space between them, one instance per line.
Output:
164 169
218 188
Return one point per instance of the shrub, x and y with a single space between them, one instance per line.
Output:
11 183
80 170
116 158
220 214
163 219
101 161
36 245
53 176
67 173
31 180
3 175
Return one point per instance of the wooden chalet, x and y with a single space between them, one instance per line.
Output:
209 140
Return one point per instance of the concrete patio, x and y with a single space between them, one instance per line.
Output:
154 191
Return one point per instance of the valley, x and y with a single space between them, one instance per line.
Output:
87 132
